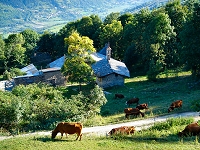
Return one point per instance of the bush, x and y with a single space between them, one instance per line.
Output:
40 106
9 111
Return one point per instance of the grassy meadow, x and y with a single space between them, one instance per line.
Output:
158 95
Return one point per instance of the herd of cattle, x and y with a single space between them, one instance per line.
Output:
137 111
192 129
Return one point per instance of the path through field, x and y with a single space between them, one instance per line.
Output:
102 130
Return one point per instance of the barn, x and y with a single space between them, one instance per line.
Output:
50 76
108 71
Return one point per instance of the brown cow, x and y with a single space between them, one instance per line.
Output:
122 130
119 96
176 104
192 129
132 101
132 111
142 106
68 128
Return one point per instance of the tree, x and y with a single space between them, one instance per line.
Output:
2 54
157 35
126 18
190 44
46 43
14 52
77 64
111 17
113 33
133 33
31 38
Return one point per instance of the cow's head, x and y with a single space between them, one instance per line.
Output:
53 134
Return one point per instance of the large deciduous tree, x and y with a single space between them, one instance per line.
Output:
77 64
113 33
190 44
157 35
2 54
14 52
31 38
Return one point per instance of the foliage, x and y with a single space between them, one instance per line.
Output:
13 72
14 52
39 106
190 42
196 105
170 123
9 111
31 38
77 64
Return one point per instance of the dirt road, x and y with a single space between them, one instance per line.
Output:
139 124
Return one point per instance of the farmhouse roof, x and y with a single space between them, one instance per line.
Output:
58 63
104 67
30 70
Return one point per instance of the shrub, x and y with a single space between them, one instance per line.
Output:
40 106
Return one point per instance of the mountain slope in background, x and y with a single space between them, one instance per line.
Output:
16 16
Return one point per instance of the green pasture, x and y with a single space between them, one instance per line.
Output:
159 95
154 138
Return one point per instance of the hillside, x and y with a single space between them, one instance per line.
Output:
15 16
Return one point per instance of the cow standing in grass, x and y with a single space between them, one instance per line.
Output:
119 96
132 111
192 129
176 104
132 101
68 128
142 106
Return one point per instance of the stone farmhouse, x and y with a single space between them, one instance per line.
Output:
108 71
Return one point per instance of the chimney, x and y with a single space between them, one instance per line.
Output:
108 51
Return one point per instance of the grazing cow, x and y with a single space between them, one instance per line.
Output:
142 106
68 128
132 111
176 104
192 129
119 96
132 101
122 130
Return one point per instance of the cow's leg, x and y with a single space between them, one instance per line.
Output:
66 135
78 135
61 135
